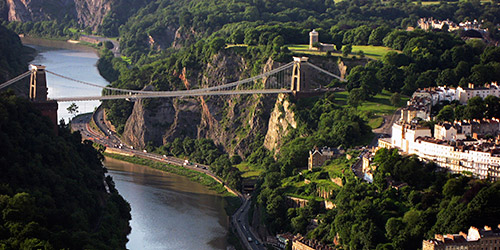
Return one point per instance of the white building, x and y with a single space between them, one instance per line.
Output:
463 155
464 94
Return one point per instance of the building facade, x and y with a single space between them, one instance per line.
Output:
476 239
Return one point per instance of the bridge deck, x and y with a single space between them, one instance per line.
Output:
173 94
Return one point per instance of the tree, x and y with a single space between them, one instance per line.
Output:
361 54
492 107
395 99
346 50
356 97
447 113
217 44
73 109
475 108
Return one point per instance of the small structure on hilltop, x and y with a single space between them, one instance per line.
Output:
484 238
314 40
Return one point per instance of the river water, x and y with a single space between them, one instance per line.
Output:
168 211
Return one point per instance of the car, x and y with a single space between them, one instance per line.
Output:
249 239
145 151
256 242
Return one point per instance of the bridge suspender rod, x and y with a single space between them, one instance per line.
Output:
326 72
15 79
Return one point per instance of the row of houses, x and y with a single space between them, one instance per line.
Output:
434 24
422 100
452 146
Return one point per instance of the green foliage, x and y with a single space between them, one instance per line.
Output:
396 99
376 216
52 190
204 151
13 55
47 29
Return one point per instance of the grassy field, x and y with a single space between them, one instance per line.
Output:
378 106
249 170
373 52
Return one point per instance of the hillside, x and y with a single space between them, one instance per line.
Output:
14 57
53 193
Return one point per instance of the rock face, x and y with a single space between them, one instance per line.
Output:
88 12
232 122
282 120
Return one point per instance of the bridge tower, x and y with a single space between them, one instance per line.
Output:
38 94
298 74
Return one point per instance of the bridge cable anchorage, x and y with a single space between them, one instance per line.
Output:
15 79
326 72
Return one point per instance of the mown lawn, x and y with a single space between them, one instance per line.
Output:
373 52
378 105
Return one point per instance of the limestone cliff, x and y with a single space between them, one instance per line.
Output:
282 120
233 122
87 12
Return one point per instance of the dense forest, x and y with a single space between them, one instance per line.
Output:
13 55
53 193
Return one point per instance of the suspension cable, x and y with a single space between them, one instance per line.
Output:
326 72
15 79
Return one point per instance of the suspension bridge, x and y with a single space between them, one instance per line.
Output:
288 78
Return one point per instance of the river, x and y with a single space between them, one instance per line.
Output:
168 211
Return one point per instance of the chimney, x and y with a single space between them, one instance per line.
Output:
439 237
471 85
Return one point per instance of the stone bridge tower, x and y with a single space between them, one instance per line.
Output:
38 94
298 83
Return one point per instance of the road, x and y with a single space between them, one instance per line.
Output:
107 138
116 44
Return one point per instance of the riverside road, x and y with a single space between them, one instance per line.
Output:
105 137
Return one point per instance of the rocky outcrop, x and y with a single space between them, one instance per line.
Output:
148 124
233 122
282 120
87 12
90 13
163 39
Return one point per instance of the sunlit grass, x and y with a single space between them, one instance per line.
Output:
249 170
373 52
